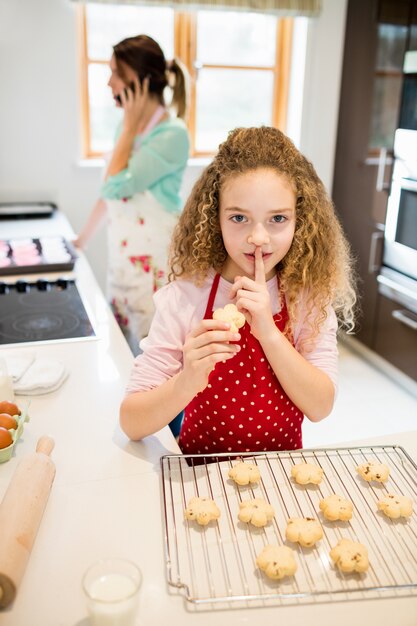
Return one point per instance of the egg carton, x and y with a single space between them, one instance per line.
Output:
6 453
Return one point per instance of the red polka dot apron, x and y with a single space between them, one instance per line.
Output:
243 408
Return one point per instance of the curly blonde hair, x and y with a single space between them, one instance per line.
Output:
318 264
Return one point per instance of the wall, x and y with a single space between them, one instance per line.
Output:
40 143
320 104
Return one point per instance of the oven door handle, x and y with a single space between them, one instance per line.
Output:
409 184
380 176
396 287
375 252
405 317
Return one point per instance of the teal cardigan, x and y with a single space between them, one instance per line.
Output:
158 166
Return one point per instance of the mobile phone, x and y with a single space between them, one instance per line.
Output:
131 87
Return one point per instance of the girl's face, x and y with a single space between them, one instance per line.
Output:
116 82
256 208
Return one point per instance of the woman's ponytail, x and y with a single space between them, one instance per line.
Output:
180 86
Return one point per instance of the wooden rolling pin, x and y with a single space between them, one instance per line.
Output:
20 516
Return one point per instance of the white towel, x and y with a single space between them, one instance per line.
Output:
42 376
18 363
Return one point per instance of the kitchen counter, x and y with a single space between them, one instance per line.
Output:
106 498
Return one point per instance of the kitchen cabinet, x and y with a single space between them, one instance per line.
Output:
396 339
378 33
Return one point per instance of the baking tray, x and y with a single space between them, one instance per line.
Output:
215 564
42 254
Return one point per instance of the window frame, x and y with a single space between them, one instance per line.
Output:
185 47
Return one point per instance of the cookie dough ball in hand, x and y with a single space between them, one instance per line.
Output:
304 530
230 314
277 561
306 473
373 471
257 511
350 556
335 507
245 473
396 506
202 510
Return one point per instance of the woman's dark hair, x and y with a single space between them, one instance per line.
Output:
145 56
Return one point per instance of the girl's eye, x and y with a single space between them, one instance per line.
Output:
278 219
238 218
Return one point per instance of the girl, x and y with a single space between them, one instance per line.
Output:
259 231
141 192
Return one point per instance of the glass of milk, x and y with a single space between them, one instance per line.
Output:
111 588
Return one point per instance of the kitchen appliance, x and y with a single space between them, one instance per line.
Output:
42 310
16 210
397 279
215 567
42 254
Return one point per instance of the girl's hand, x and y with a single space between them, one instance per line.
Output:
134 103
254 301
206 345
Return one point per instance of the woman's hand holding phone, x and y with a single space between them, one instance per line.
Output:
133 99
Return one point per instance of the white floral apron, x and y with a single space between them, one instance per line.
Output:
139 233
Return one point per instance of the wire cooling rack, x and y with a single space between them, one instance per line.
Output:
216 563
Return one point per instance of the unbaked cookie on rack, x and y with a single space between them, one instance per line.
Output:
336 508
350 556
304 530
372 470
307 473
395 506
257 512
245 473
277 561
202 510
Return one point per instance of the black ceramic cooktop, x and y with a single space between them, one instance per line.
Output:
42 311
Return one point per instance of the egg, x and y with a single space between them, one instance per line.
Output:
10 408
5 437
7 421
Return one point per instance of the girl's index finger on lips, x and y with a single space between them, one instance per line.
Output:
259 266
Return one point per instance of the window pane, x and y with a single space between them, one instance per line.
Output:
234 38
107 24
413 37
386 104
230 98
391 47
104 115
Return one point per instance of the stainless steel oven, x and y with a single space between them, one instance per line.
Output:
400 246
398 276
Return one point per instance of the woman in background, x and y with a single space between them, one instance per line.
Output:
140 195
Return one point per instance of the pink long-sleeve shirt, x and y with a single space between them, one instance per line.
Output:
181 305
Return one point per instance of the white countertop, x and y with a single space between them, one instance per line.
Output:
106 498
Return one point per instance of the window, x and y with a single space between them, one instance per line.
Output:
387 85
241 80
